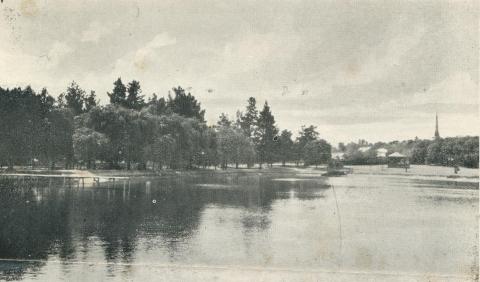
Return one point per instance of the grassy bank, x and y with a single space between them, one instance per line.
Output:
417 170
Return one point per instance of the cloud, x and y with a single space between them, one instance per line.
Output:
20 68
446 108
381 59
145 56
144 53
94 32
251 51
458 88
57 52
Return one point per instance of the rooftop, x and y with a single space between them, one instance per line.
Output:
396 155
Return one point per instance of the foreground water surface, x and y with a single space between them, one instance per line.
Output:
241 227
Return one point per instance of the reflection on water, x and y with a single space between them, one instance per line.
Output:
251 220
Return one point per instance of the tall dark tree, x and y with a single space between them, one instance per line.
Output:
248 120
285 147
185 105
267 131
307 134
90 101
317 152
134 99
157 106
47 102
419 152
74 98
434 152
118 96
57 142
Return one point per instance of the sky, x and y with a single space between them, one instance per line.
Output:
374 70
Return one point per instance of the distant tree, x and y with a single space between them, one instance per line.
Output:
157 106
209 154
90 101
266 133
307 134
317 152
233 147
134 99
226 146
419 152
248 120
434 152
47 102
14 125
341 147
189 137
245 150
61 103
185 105
136 133
285 147
57 138
224 121
297 153
238 120
119 94
164 150
111 121
74 98
470 151
88 145
369 157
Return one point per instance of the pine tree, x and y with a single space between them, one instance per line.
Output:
134 99
74 98
317 152
307 134
119 93
266 133
248 121
224 121
185 105
90 101
285 146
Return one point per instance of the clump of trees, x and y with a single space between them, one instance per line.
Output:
448 151
130 132
263 143
34 127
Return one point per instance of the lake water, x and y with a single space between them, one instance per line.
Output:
242 227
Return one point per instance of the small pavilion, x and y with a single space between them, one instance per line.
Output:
398 160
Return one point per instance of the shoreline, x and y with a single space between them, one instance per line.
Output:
422 171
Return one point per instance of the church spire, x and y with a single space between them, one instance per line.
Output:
437 134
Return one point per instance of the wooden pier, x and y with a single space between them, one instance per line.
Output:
69 179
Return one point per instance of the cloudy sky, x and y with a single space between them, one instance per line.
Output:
377 70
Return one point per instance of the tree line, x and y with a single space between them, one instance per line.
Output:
131 132
450 151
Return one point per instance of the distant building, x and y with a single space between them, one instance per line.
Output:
382 153
437 134
398 160
364 149
338 156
